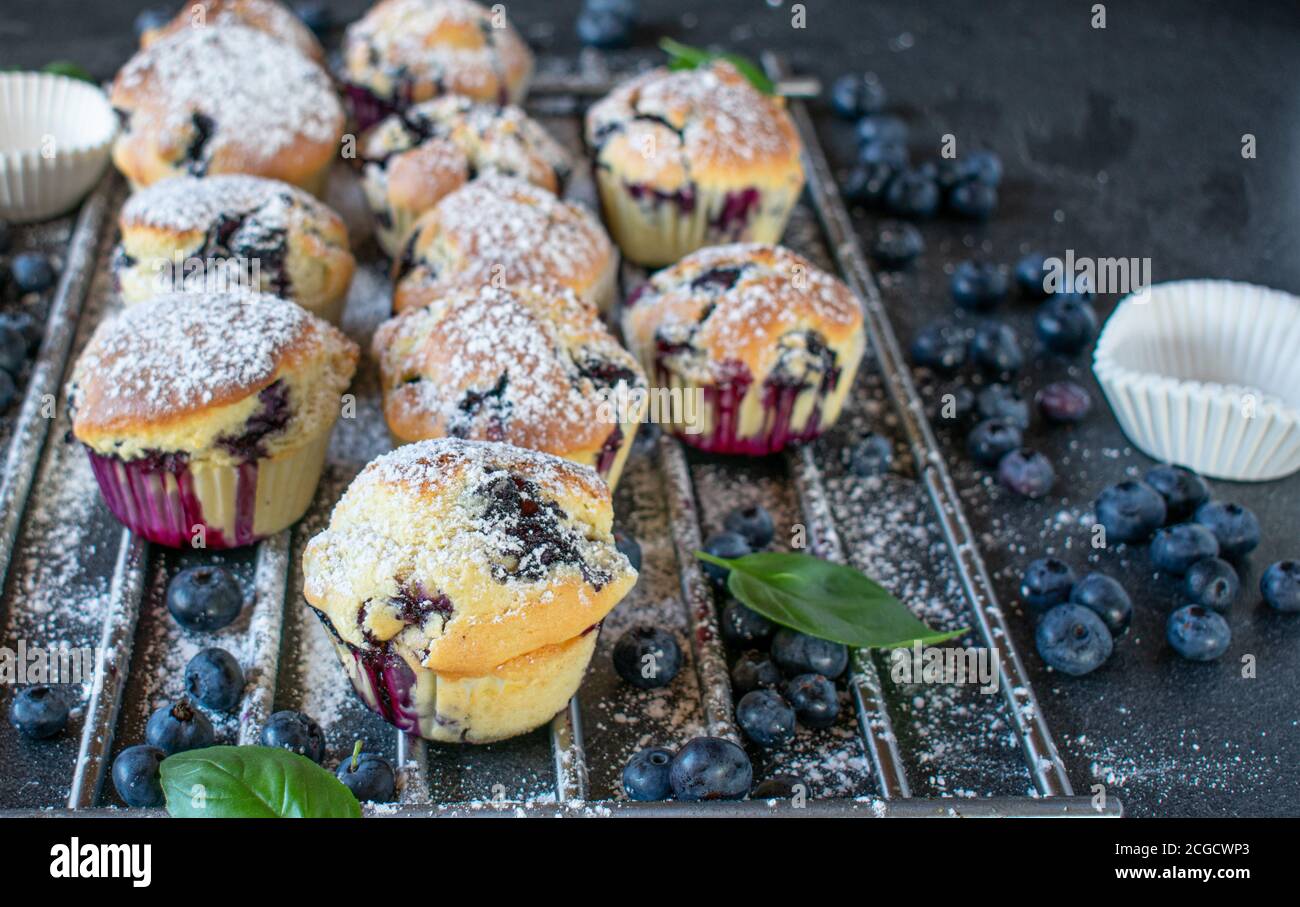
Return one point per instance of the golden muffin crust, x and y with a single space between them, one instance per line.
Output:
225 100
468 554
269 16
499 230
185 372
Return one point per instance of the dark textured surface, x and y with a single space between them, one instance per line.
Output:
1117 142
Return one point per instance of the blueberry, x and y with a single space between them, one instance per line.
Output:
32 272
765 717
630 548
991 440
710 768
1063 402
1046 583
628 9
1182 489
978 285
754 523
179 727
728 545
1031 275
1065 324
742 626
39 711
956 404
8 391
872 456
941 347
779 787
371 779
316 16
1026 472
998 401
204 598
985 166
1175 548
1234 526
647 657
974 200
1130 511
814 700
1106 598
881 128
913 193
866 184
647 439
1197 633
996 349
884 154
603 28
26 326
646 775
1073 639
13 349
754 671
1280 586
136 776
856 95
799 653
1212 583
150 19
214 679
295 732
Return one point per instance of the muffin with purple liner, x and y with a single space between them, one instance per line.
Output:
689 158
207 417
760 345
268 16
463 583
402 52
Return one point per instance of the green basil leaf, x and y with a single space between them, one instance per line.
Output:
683 56
824 599
69 69
253 782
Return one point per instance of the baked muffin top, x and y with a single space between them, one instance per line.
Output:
269 16
187 204
671 128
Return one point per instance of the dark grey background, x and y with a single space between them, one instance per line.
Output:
1123 141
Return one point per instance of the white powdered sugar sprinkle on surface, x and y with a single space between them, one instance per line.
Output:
190 203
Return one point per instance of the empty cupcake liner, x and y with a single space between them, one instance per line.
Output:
1206 374
55 134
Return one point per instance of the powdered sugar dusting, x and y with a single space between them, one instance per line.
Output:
187 203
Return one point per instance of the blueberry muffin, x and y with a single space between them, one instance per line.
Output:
411 160
225 100
463 583
269 16
406 51
233 230
207 418
689 158
529 365
499 230
762 345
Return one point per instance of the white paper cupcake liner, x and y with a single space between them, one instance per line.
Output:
55 134
1206 374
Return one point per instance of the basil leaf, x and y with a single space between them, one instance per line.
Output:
824 599
253 782
69 69
683 56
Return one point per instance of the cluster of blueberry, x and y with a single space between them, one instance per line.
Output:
607 24
20 331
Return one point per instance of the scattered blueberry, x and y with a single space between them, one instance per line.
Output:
32 272
179 727
866 183
743 626
974 199
978 285
1130 511
1065 324
992 439
765 717
214 679
371 779
897 245
799 653
779 787
1280 586
814 700
1031 275
1106 598
204 598
1026 472
941 347
26 326
316 16
647 657
857 95
754 523
1212 583
878 128
1063 402
150 19
956 404
630 549
872 456
1182 489
729 545
996 349
754 670
999 401
628 9
13 349
295 732
1197 633
39 711
1073 639
710 768
8 391
912 193
1234 526
603 28
1175 548
645 777
136 776
984 166
887 154
1046 583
